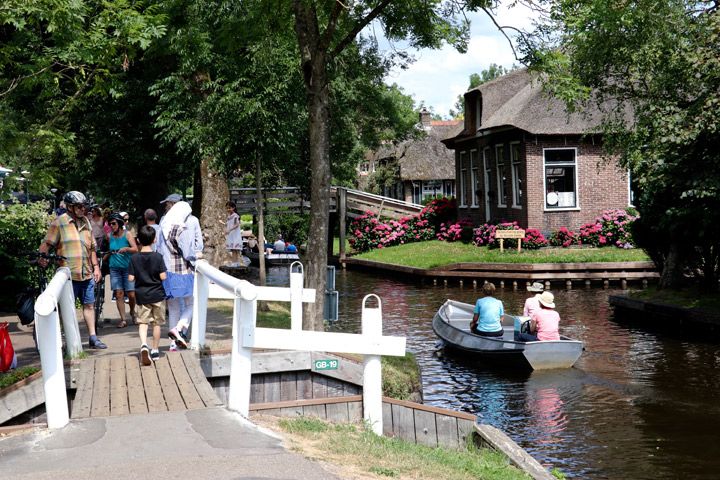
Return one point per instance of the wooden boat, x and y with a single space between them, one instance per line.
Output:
452 324
272 259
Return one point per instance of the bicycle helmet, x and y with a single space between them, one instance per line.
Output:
74 197
118 218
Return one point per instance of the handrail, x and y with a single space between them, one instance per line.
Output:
58 296
246 335
387 200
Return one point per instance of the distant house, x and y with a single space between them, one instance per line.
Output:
521 156
423 168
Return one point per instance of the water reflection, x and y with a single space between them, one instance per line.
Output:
637 405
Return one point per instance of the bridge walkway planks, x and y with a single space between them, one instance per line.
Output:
118 385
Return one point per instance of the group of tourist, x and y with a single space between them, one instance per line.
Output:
544 320
160 269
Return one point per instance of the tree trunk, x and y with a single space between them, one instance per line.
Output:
671 276
317 98
213 216
261 221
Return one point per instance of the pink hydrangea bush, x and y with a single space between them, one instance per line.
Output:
455 232
563 238
368 232
534 239
612 228
484 235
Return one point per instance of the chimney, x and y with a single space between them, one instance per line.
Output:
425 118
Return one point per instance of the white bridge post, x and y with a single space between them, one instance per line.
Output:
244 315
296 287
47 324
201 290
372 373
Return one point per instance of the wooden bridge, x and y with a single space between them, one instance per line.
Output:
118 385
352 203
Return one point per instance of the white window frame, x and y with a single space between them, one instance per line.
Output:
500 160
515 175
463 174
473 178
630 192
487 175
577 185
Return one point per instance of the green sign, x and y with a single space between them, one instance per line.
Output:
326 364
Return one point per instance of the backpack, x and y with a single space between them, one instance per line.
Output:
25 306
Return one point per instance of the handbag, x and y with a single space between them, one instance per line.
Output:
7 352
25 306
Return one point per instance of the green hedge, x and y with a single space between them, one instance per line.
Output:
22 228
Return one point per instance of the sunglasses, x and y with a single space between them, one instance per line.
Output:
113 223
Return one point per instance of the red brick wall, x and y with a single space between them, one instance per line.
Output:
601 184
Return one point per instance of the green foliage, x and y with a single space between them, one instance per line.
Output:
53 56
14 376
292 226
400 377
658 59
22 228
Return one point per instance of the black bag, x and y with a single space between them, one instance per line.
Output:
25 305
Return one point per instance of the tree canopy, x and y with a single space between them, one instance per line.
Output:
654 67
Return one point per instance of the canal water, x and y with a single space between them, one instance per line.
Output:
637 405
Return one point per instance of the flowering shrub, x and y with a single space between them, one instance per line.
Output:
484 235
458 231
534 239
368 232
563 238
439 210
610 228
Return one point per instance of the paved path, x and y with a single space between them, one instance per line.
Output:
211 444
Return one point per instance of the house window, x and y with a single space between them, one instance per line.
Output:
501 175
560 178
431 188
448 188
517 187
463 175
632 189
473 178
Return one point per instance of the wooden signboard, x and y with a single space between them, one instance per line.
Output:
503 234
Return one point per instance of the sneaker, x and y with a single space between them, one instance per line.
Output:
114 297
97 344
155 355
145 355
179 340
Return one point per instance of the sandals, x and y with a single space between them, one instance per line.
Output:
122 324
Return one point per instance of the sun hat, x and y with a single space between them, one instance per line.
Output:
173 197
535 287
547 299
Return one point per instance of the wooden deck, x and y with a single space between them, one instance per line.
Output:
119 385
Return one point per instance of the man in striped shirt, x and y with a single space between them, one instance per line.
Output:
70 234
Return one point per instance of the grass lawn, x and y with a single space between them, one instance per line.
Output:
358 453
688 298
435 253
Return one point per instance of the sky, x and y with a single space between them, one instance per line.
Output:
437 77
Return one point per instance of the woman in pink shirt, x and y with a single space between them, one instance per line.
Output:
544 322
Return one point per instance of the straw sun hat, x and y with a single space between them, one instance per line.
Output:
547 299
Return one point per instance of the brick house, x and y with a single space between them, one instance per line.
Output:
422 167
522 157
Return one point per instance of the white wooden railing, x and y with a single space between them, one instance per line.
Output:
212 283
58 296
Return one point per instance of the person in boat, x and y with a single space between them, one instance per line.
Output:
532 304
290 247
279 245
252 244
544 322
487 314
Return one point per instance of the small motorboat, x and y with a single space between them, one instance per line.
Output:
272 259
452 324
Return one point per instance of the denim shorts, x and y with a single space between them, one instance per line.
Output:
84 291
119 280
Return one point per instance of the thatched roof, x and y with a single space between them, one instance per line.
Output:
518 100
425 158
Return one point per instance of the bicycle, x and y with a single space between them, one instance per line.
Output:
100 291
39 276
